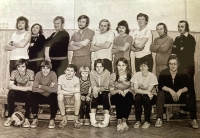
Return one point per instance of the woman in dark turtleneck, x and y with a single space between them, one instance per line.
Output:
36 48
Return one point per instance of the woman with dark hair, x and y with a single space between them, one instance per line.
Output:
122 95
121 45
99 78
36 48
143 83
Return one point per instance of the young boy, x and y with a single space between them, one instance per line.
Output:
45 92
20 90
69 93
85 95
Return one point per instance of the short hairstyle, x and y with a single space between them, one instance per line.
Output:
72 66
21 61
84 17
186 25
105 20
171 57
59 17
102 61
22 18
143 15
165 27
125 24
46 64
84 69
125 61
143 61
40 31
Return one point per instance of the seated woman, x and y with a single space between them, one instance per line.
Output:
36 50
120 89
99 78
144 81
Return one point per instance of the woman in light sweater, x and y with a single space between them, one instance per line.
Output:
122 94
162 46
99 78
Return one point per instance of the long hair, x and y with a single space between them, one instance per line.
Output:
164 26
84 17
40 31
125 61
186 25
22 18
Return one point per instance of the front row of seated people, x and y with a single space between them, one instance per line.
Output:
94 88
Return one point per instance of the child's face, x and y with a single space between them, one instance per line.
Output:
45 71
84 74
70 73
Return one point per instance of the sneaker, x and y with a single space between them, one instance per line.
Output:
8 122
81 121
51 124
146 125
158 123
120 128
87 122
77 124
63 123
26 123
34 123
137 124
194 124
126 128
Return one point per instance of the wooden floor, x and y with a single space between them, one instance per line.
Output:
172 129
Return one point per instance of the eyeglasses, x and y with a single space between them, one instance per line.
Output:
173 63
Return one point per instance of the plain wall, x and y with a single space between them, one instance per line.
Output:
43 12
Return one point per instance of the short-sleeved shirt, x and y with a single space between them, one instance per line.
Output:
102 38
77 37
151 79
120 41
138 35
66 83
22 80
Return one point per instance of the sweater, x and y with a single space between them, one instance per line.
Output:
162 47
100 80
45 82
58 44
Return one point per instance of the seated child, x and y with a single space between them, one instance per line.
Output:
85 95
69 93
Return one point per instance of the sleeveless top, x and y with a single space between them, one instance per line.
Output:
18 53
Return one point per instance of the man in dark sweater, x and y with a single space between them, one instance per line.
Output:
174 88
45 92
56 47
184 48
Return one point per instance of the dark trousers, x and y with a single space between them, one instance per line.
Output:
166 98
19 96
59 66
149 59
143 99
103 99
123 104
38 98
84 109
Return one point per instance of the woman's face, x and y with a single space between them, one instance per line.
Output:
144 68
99 68
121 66
35 30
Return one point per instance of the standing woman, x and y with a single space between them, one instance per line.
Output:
36 48
120 89
144 81
99 78
121 45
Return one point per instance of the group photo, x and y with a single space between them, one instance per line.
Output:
99 68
